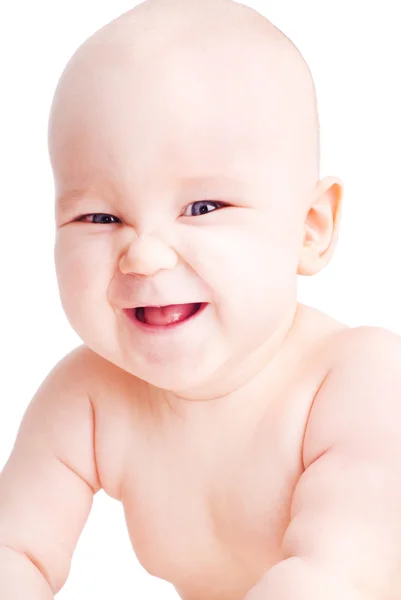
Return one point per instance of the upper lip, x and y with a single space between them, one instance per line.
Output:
165 303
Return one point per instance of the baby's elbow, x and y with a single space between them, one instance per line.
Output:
55 570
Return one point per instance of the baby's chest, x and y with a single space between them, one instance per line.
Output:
186 521
206 516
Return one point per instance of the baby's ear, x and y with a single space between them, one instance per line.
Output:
321 226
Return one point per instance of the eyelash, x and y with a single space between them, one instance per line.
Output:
112 216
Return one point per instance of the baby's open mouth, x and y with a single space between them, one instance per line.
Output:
167 315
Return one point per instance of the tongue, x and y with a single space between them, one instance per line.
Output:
164 315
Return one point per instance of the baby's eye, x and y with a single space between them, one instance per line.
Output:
98 218
203 210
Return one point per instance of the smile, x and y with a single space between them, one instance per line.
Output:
165 318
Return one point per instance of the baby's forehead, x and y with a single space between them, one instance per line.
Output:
209 98
184 110
214 83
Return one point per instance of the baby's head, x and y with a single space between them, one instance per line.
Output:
189 128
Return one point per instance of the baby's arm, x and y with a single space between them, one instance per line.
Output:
47 485
344 539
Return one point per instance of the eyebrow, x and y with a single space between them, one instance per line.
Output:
211 179
72 197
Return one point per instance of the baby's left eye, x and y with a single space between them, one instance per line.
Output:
203 209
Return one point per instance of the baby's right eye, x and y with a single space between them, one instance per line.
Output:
100 216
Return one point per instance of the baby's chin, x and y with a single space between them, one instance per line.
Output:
186 372
185 377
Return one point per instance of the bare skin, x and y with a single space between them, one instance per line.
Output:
209 505
206 495
241 442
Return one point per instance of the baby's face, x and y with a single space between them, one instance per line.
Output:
178 180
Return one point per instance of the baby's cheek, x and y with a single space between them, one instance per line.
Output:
253 282
234 260
83 272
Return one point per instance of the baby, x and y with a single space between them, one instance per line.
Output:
253 441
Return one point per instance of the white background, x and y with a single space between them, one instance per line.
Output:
353 49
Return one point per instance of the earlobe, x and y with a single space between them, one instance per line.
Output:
321 226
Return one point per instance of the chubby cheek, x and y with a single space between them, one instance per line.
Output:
83 275
252 275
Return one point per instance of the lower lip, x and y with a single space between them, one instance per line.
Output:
130 312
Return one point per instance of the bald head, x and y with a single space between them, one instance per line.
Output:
167 19
252 76
176 105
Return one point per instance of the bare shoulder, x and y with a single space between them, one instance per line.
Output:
356 344
82 363
119 403
83 408
98 376
358 403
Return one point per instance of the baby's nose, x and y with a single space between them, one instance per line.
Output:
146 255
